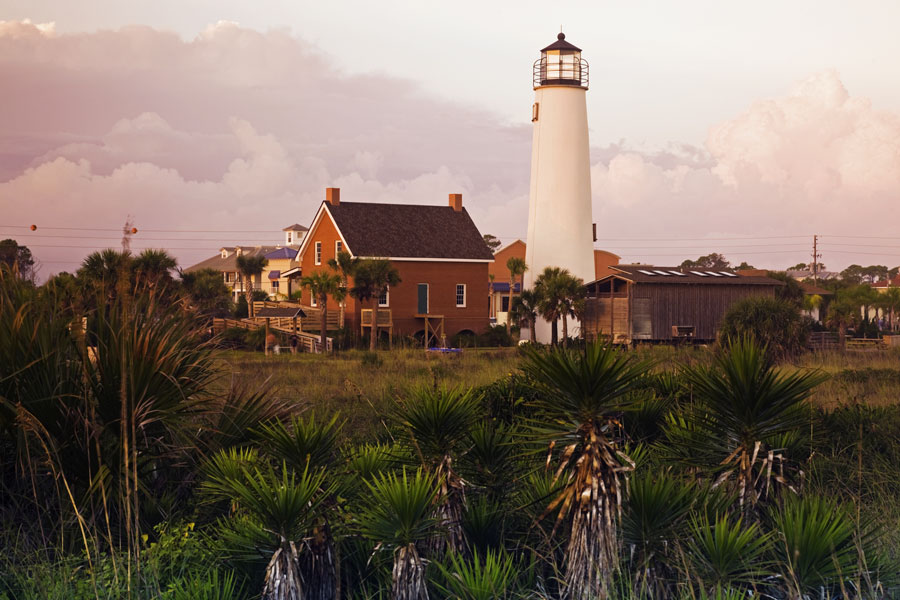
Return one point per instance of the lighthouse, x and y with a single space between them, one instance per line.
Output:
560 232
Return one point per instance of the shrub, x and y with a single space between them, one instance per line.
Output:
775 323
496 335
241 310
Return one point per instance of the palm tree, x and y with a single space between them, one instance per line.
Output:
517 267
250 267
570 300
525 310
550 286
205 292
436 422
343 264
747 408
153 268
321 284
581 394
371 279
105 271
842 313
890 304
399 514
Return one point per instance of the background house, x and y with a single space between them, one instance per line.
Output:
273 279
647 303
438 252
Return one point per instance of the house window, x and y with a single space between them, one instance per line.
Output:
338 246
318 253
385 298
275 285
460 295
312 298
290 237
504 304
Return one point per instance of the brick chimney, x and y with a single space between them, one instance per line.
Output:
456 202
333 196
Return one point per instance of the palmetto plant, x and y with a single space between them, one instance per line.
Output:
654 520
582 394
436 422
490 575
276 510
725 553
747 405
397 515
816 546
309 443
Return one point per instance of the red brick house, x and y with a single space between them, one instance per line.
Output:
438 252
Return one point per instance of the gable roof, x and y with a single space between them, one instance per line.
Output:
230 263
405 231
666 275
295 227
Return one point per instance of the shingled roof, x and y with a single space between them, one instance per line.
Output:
408 231
230 262
677 275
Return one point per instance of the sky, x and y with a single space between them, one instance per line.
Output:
736 128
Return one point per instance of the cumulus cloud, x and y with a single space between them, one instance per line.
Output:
814 161
240 129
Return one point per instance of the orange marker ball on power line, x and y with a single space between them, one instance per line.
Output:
134 230
34 227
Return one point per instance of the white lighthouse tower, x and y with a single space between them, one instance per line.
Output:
560 231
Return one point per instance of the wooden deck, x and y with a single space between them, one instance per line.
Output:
307 342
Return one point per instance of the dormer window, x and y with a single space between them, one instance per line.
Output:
224 253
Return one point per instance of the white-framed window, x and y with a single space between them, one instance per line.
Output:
312 298
338 247
290 237
274 285
460 295
385 298
318 253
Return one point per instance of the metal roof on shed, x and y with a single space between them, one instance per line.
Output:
676 275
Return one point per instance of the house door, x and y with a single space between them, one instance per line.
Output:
422 306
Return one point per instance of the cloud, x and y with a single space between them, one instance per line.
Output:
240 129
814 161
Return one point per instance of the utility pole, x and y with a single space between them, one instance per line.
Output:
815 259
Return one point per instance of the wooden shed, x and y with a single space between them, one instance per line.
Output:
662 304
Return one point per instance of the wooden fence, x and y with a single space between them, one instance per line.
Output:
307 342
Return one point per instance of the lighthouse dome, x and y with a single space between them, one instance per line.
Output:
561 64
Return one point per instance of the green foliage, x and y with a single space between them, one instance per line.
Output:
399 510
495 335
817 547
776 323
713 261
725 553
490 575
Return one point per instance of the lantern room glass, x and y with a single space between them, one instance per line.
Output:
562 65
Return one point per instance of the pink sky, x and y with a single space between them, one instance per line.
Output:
227 136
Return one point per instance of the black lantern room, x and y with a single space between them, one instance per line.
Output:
561 64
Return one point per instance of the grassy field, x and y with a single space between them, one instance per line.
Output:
362 386
359 381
